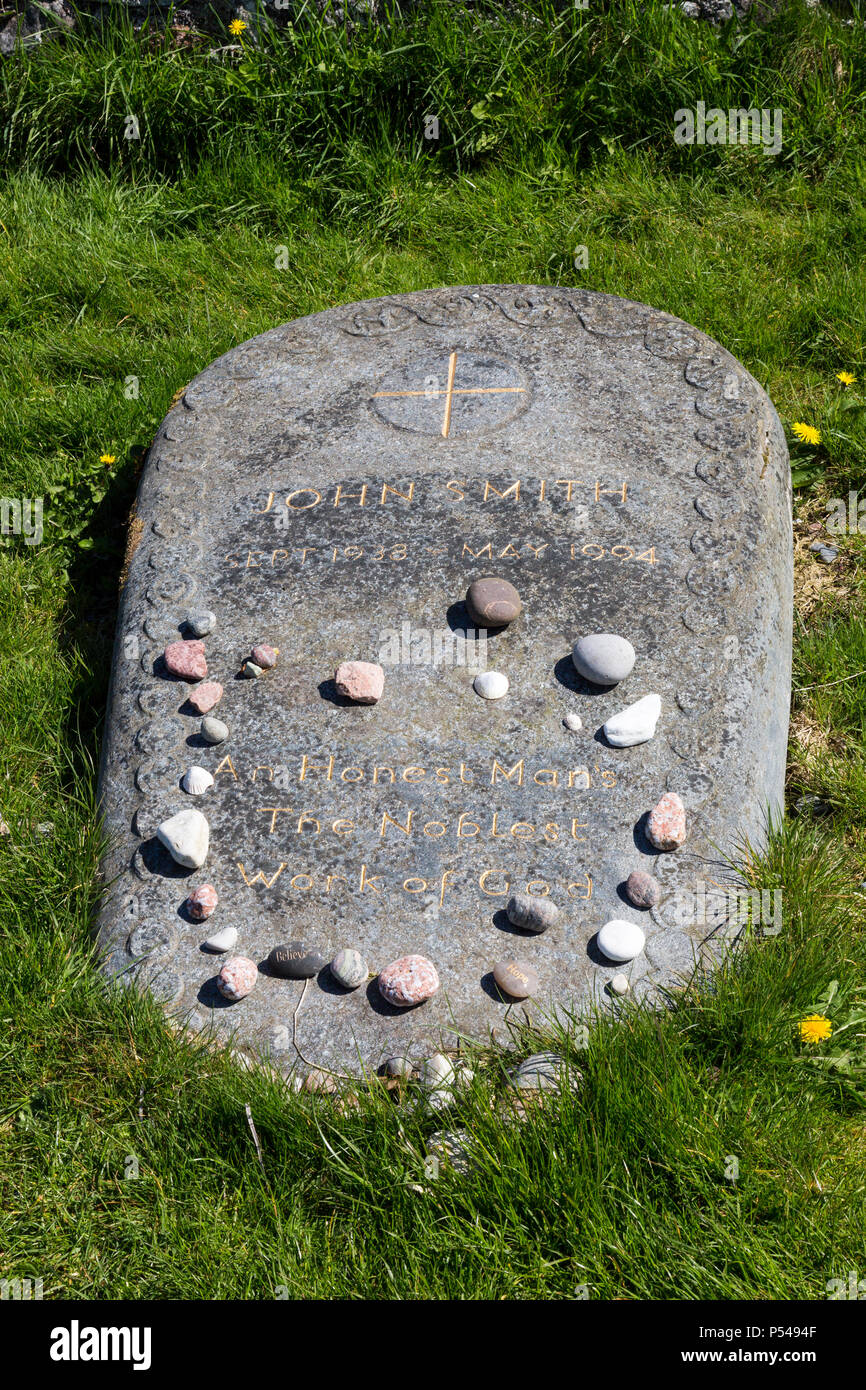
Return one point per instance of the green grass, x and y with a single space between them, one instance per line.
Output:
146 259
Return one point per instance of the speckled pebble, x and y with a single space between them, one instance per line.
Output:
573 722
186 659
603 658
237 978
666 827
264 655
202 902
361 681
620 940
349 969
205 696
517 978
532 913
408 981
642 889
491 685
214 730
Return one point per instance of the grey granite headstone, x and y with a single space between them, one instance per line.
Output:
332 487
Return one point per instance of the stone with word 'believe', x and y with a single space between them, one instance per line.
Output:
333 488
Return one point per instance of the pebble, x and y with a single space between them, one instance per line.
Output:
237 978
361 681
603 658
451 1147
619 984
224 940
437 1072
318 1080
186 836
186 659
200 624
543 1071
827 553
491 685
516 978
492 602
635 724
573 722
251 671
295 961
642 889
264 655
214 730
205 696
201 902
349 969
666 827
533 914
408 981
399 1066
196 780
620 940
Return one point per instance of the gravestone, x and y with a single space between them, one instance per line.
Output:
332 488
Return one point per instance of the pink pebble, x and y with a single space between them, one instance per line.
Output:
201 903
186 659
205 696
666 827
265 656
237 977
361 681
409 980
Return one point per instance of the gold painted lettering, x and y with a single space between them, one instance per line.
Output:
268 882
338 825
514 488
406 496
350 496
262 767
476 554
389 820
225 760
493 892
307 766
368 882
421 770
377 770
303 492
497 767
275 811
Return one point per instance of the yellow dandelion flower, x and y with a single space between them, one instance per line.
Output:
807 433
814 1029
237 27
846 378
108 459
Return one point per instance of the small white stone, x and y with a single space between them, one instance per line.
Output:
437 1072
491 685
621 940
633 725
196 780
619 984
186 836
224 940
573 722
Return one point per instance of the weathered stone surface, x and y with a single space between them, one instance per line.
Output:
624 473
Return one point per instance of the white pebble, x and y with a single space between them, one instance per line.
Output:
619 984
633 725
223 940
491 685
620 940
186 836
573 722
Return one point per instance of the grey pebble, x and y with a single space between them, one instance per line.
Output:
533 914
350 969
603 658
214 730
200 624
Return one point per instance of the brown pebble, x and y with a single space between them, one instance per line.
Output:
517 978
492 602
642 889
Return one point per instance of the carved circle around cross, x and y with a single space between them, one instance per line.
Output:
452 393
